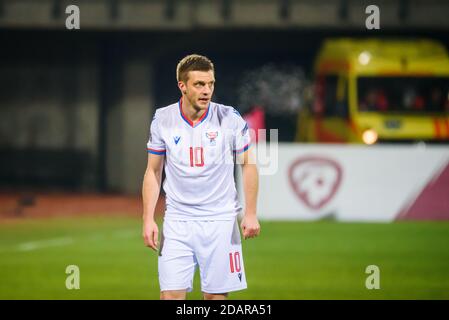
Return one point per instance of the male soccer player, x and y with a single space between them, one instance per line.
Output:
199 141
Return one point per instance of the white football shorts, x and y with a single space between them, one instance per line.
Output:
214 246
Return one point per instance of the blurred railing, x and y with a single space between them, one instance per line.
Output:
188 14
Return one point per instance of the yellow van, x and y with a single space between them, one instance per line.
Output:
371 91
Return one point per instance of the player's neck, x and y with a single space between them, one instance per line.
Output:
192 113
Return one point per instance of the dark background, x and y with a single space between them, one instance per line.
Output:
90 141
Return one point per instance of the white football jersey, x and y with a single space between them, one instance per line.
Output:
199 160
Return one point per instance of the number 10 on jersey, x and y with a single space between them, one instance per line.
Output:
196 157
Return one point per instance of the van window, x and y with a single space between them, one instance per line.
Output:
331 96
403 94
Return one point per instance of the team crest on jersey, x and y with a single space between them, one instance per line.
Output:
212 135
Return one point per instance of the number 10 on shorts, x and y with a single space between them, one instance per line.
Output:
234 261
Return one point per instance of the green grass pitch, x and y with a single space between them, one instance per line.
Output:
290 260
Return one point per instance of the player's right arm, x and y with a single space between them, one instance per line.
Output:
152 183
150 194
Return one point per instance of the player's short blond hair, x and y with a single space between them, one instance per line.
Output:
192 62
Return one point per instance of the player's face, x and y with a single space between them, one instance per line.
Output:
199 88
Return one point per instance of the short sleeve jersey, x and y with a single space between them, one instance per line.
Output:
199 160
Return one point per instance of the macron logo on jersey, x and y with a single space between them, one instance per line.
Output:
176 139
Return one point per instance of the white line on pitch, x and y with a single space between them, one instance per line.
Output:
55 242
29 246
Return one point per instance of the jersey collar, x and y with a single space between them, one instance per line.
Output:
189 122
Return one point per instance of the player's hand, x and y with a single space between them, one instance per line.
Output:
150 234
250 226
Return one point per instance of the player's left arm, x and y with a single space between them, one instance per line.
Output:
250 224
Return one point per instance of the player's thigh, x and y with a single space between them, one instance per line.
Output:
176 261
220 258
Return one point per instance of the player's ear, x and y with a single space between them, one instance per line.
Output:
182 87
